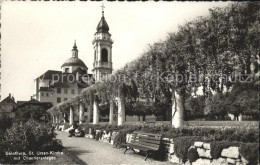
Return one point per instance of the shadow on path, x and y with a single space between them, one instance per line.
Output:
73 155
77 151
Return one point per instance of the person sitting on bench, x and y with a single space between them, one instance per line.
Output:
72 131
78 132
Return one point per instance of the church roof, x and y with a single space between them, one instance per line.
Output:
102 26
48 74
21 104
65 79
80 71
8 100
73 61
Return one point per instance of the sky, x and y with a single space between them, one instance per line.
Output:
39 36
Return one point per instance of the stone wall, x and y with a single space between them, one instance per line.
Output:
229 156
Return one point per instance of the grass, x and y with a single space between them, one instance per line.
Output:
224 123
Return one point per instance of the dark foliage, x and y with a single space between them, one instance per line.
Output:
250 152
25 137
182 144
192 155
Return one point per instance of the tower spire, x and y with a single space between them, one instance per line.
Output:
75 46
75 50
102 25
102 9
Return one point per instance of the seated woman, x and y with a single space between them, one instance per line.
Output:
72 131
78 132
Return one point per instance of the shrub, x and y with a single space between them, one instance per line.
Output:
121 136
217 147
228 134
192 155
182 144
29 136
250 152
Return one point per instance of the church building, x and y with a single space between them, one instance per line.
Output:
58 86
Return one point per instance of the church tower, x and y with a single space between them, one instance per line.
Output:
102 43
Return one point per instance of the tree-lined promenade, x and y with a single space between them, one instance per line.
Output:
224 44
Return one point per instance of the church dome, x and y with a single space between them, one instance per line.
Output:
74 61
102 26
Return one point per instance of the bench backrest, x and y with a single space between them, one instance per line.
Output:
146 139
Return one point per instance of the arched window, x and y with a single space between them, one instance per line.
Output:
67 70
104 55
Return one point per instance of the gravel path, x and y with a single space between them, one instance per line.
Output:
99 153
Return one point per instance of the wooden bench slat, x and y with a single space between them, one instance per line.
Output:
144 135
144 142
147 137
148 144
150 141
135 132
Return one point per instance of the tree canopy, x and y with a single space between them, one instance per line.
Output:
204 52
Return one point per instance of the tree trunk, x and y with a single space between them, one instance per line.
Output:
81 113
64 116
121 107
248 64
168 102
177 110
111 113
95 113
240 117
71 116
89 113
57 119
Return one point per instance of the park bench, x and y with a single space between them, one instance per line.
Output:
147 142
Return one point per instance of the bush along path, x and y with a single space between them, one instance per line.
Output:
186 145
28 142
